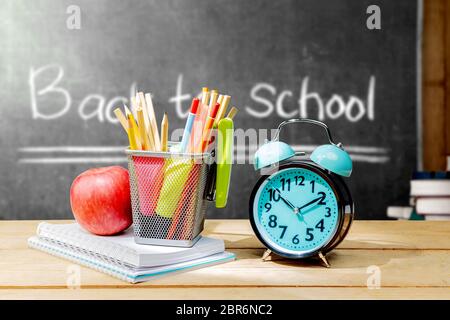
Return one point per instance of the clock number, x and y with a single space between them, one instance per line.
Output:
320 226
309 234
328 214
284 182
274 195
282 232
299 180
295 239
312 185
272 221
268 206
321 202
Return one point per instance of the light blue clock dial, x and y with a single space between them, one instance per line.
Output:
297 211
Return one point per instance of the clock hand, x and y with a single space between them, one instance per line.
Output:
301 218
309 203
309 209
294 208
287 202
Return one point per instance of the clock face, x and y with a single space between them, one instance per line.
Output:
296 211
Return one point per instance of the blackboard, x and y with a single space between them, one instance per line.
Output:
268 55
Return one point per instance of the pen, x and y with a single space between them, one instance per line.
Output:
189 124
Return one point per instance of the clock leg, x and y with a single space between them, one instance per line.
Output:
266 255
324 260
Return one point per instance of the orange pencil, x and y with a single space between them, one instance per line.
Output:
197 129
206 136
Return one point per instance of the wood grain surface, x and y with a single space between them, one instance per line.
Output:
413 259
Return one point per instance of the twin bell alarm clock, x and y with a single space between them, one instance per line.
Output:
301 207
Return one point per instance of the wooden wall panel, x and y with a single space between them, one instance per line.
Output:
433 55
447 83
433 123
435 95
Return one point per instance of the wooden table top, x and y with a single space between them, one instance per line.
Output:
412 259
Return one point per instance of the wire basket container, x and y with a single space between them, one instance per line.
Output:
168 196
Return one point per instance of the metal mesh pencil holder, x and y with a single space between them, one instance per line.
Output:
167 196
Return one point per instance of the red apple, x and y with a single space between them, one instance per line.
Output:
100 200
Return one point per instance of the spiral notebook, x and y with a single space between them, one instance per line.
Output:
121 257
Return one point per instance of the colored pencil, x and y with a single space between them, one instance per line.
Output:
153 124
219 100
189 125
207 128
122 119
213 98
232 112
143 105
146 144
164 133
222 109
132 125
131 135
205 95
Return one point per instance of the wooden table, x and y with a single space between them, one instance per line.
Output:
411 257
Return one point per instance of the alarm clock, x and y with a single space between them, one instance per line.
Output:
301 207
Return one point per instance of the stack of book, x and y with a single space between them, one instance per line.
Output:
430 194
121 257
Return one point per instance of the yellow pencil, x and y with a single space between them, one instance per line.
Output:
205 96
127 111
133 125
146 144
213 99
223 108
134 106
232 112
131 135
122 119
164 133
219 100
143 105
153 124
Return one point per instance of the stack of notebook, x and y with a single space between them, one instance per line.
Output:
429 198
121 257
430 194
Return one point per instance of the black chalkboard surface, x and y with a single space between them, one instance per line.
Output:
277 59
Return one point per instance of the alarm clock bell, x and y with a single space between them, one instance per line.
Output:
272 152
331 157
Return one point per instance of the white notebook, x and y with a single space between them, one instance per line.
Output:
121 249
124 272
437 217
433 205
430 187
